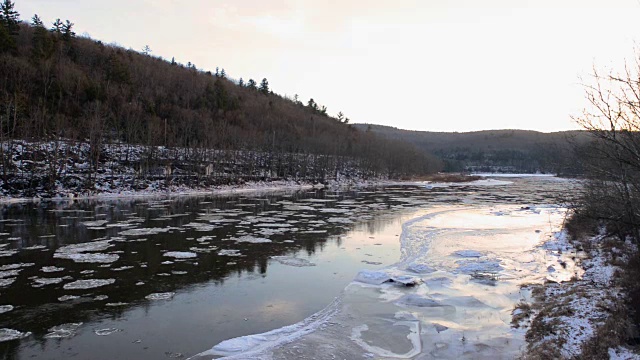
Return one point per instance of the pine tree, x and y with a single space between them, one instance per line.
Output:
9 26
67 33
42 42
57 26
36 21
264 86
9 18
241 82
223 74
340 116
252 84
173 60
312 104
146 50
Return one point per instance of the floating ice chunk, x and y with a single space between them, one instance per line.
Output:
68 298
15 266
81 252
372 277
166 262
6 282
39 282
105 332
122 268
63 331
160 296
251 346
5 308
88 284
7 253
177 272
203 250
11 334
406 280
50 269
274 225
252 239
117 304
34 247
229 252
144 231
469 267
413 336
9 273
180 254
418 301
293 261
101 297
468 253
89 258
336 220
420 268
94 223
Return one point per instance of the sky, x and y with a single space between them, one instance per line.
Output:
432 65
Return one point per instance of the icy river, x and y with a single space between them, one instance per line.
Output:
393 272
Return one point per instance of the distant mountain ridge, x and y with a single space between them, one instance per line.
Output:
506 150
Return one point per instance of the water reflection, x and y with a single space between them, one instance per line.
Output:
213 289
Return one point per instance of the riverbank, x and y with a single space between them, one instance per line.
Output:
587 317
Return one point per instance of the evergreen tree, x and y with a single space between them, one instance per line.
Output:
340 116
173 60
312 105
67 33
42 43
9 17
36 21
241 82
57 26
9 26
223 74
252 84
264 86
146 50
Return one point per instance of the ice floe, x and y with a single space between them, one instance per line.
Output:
87 252
228 252
160 296
180 254
293 261
5 308
63 331
252 239
11 334
38 282
106 332
88 284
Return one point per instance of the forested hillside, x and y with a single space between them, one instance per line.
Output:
66 90
495 150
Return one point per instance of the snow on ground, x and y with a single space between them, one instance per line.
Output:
567 314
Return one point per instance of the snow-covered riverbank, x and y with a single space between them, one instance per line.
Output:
585 316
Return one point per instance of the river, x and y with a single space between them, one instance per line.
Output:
153 278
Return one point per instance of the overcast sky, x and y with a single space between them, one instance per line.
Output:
446 65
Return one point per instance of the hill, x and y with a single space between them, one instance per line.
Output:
63 90
492 150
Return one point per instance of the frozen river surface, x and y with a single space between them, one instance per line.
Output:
402 272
